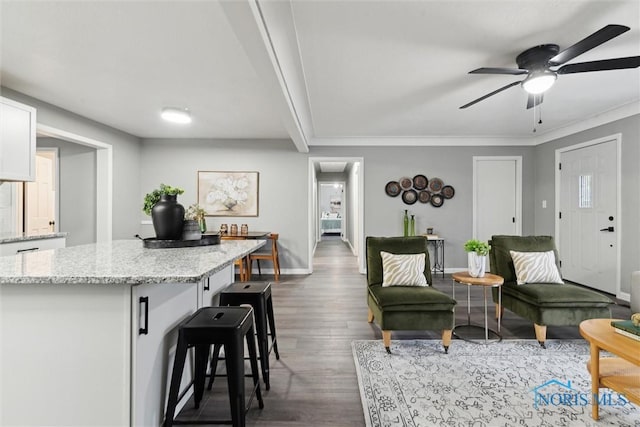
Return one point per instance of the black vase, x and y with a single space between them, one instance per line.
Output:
168 217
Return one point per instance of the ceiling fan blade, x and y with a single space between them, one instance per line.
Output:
534 100
596 39
486 70
603 65
475 101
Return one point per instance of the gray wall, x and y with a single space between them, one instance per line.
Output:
126 159
77 190
283 185
454 165
630 215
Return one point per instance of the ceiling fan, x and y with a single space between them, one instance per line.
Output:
538 64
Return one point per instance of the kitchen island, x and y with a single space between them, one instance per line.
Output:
88 333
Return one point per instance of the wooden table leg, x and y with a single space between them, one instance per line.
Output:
595 380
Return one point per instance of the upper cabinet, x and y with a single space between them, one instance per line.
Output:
17 141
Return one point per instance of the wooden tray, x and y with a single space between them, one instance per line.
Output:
206 240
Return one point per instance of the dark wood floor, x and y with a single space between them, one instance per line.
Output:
314 382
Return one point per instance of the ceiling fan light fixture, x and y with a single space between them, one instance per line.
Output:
539 81
176 115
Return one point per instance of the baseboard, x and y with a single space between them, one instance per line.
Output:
624 296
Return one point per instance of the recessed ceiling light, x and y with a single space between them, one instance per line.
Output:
176 115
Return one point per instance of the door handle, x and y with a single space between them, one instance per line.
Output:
145 330
609 229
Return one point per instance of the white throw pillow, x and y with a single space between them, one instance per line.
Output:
403 270
535 267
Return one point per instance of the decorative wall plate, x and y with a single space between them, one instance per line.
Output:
437 200
424 196
409 197
405 183
435 185
448 191
420 182
392 188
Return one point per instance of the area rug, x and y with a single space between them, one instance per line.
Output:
511 383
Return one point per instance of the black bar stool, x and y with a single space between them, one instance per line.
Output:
258 295
227 326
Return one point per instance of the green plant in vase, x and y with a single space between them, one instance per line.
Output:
477 256
196 213
166 213
150 199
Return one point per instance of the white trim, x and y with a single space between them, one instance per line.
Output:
518 160
104 177
419 141
624 296
617 137
597 120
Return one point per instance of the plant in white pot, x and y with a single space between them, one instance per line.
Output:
477 252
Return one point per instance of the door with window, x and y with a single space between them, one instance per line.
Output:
588 217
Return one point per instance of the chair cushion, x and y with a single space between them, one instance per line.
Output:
535 267
556 295
500 258
394 245
423 298
403 270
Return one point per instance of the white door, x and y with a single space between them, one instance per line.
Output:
497 196
588 215
40 196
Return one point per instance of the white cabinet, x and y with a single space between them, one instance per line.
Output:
17 141
13 248
157 311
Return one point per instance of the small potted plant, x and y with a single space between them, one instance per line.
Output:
477 256
196 213
166 213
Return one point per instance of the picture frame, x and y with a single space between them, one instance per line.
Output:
229 193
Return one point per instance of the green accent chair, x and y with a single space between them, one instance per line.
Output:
405 307
542 303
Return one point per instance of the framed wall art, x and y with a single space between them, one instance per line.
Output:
228 193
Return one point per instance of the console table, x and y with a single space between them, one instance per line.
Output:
438 254
622 373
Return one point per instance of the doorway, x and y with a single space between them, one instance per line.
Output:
352 203
41 195
332 209
588 226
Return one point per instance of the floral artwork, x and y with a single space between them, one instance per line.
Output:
228 193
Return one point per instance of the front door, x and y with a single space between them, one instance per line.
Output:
588 218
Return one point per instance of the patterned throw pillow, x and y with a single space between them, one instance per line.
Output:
403 270
535 267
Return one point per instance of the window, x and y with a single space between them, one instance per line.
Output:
585 191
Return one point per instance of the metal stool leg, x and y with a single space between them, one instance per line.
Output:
272 327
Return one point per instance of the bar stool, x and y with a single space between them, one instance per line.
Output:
227 326
258 295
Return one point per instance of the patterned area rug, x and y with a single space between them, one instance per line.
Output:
511 383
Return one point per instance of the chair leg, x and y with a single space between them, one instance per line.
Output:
386 339
499 311
446 340
370 316
541 334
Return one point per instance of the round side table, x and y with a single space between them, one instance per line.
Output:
487 281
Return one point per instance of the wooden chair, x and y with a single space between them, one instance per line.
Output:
269 252
243 268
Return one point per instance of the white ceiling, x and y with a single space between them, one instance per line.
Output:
318 72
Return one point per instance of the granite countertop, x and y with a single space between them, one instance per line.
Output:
21 237
121 262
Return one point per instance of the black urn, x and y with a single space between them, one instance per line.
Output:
168 217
